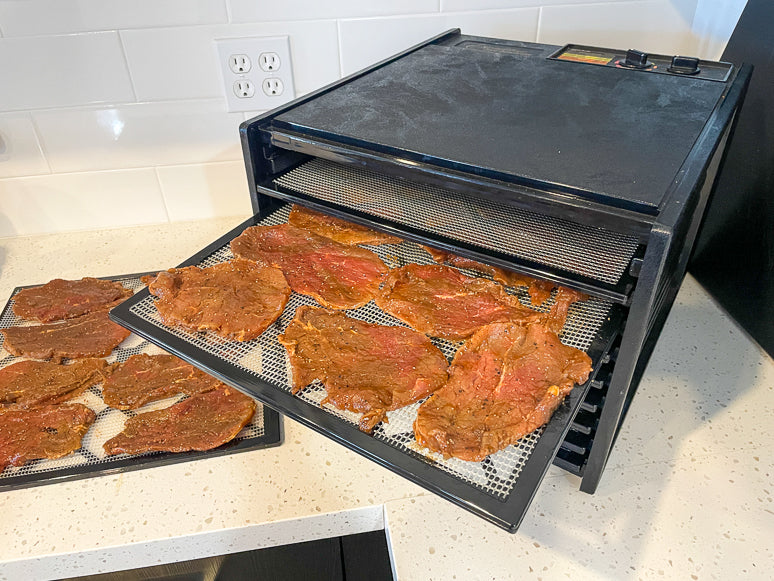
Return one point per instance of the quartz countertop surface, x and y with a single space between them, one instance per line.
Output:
687 492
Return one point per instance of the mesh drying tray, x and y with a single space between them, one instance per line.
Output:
498 488
265 429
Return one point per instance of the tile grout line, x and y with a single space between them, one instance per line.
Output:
126 65
161 193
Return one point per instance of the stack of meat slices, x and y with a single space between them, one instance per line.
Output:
372 369
212 416
35 421
509 376
81 305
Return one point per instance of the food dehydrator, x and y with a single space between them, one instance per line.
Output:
586 166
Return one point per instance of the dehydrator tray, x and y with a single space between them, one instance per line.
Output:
498 489
595 253
265 429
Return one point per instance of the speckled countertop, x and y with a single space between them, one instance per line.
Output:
687 492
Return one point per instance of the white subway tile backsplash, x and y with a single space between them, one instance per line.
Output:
139 135
20 153
80 201
151 52
660 26
366 41
181 63
195 192
32 17
257 11
62 71
92 88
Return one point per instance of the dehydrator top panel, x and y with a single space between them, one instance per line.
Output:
613 135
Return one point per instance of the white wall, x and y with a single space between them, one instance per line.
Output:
112 113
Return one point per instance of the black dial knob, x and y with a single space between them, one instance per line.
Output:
636 59
684 65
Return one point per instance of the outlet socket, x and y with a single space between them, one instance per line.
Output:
269 62
257 72
272 86
244 89
239 63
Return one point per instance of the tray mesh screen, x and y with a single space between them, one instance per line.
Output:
266 359
593 252
109 421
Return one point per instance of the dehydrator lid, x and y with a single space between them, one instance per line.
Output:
511 112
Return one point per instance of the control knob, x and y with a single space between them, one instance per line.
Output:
684 65
636 59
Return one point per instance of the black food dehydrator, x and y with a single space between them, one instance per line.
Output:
585 166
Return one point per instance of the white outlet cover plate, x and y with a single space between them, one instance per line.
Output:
253 47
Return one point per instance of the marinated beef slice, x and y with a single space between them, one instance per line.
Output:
65 299
337 229
504 383
50 431
201 422
237 300
539 290
27 383
336 275
91 335
365 368
145 378
442 302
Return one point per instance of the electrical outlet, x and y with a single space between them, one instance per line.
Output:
272 86
269 61
239 63
257 72
244 89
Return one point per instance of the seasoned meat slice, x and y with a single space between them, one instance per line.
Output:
27 383
335 275
66 299
505 382
92 335
539 290
237 300
442 302
145 378
337 229
365 368
564 298
50 431
201 422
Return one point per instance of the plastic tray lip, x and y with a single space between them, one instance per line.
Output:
273 436
507 513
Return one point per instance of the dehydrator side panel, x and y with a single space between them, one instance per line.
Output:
662 272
